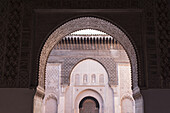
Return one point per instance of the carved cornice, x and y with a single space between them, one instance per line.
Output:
88 42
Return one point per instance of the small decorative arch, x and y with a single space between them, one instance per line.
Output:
50 103
50 95
127 104
93 78
127 96
85 78
101 79
77 79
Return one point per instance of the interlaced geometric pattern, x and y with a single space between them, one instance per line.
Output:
52 77
151 49
3 22
10 33
164 41
13 42
70 62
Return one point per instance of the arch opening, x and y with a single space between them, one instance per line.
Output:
89 98
86 23
89 105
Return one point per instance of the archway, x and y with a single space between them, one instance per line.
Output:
50 103
98 99
88 23
93 87
89 105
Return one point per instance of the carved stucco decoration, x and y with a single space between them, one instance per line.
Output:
127 96
70 62
52 78
50 95
87 23
125 79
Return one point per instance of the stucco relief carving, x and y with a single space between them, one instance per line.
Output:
87 23
69 64
125 79
88 79
51 104
52 78
50 95
127 103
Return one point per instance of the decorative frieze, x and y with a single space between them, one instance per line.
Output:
88 42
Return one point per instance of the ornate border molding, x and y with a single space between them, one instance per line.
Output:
87 23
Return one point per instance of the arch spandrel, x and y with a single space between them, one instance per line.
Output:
87 23
108 63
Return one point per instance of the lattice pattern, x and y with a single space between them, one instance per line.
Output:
13 42
10 20
25 58
52 77
69 64
151 45
164 41
3 22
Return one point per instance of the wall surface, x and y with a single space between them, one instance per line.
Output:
156 100
17 100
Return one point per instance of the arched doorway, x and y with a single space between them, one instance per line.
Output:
88 23
89 105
